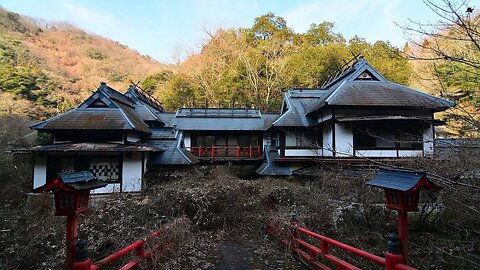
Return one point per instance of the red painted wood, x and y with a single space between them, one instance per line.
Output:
403 234
356 251
71 236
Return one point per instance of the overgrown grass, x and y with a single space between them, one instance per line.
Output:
210 201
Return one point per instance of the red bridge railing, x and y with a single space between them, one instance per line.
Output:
164 243
301 242
226 151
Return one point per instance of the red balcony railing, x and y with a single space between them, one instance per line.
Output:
226 151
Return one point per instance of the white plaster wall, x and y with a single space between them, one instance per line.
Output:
327 140
410 153
131 137
303 152
132 172
376 153
187 139
110 188
40 170
428 140
343 139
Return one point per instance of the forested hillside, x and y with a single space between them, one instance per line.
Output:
256 65
47 68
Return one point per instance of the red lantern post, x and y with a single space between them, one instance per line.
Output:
71 193
402 192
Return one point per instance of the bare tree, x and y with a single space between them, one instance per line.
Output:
451 48
457 22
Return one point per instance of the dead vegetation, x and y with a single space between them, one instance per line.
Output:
216 211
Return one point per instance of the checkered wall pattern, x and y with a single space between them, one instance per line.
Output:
106 171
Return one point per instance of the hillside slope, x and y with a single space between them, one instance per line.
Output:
46 67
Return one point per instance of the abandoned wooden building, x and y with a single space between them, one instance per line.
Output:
357 114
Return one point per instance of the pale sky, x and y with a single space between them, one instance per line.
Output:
162 29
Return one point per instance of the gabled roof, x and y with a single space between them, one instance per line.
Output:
351 89
87 119
136 93
105 109
298 102
145 105
174 153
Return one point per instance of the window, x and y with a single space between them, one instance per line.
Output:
303 139
226 140
410 137
247 140
384 136
366 76
98 103
204 140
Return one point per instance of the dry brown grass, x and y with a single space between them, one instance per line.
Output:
212 203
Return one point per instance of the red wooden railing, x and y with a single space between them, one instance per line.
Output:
164 243
300 241
226 151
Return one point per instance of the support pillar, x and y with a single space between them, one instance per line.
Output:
72 221
403 234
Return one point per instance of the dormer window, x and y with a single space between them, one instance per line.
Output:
98 103
366 76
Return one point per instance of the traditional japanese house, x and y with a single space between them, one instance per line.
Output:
357 114
103 135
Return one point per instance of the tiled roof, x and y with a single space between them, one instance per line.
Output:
134 118
173 153
224 123
347 90
163 133
98 118
118 113
298 103
366 93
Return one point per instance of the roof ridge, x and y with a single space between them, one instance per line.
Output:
334 93
127 119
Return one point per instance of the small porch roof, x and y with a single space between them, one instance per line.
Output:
89 147
401 179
